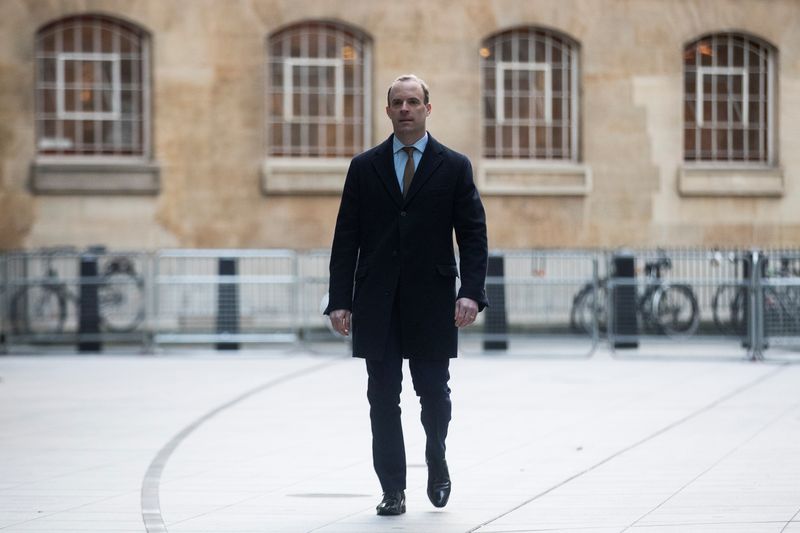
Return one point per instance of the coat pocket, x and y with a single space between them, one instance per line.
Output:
447 270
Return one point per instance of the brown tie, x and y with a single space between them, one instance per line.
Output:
408 172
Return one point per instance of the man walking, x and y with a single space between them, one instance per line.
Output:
393 277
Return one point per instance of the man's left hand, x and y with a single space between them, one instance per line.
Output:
466 312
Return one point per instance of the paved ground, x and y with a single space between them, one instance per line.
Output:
279 442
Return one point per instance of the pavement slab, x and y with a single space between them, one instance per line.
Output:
279 441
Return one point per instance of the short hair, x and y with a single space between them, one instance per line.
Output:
409 77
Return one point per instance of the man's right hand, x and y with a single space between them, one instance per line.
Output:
340 320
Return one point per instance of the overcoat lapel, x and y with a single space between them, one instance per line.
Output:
383 163
430 161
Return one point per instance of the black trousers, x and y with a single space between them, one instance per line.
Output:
385 378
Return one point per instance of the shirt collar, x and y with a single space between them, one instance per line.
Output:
419 145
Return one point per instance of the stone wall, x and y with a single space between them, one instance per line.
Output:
208 76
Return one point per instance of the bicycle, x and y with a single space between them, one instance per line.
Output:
730 298
40 307
782 301
664 308
781 304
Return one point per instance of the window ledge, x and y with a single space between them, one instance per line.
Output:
706 180
534 178
306 175
95 176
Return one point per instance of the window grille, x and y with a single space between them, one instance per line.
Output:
728 100
318 91
92 95
530 95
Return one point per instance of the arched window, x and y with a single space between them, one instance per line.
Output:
92 90
318 91
530 95
729 99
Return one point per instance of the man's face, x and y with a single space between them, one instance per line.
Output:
407 110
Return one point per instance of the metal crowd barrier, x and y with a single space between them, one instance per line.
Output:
225 297
313 272
658 299
779 293
547 302
4 326
66 296
531 293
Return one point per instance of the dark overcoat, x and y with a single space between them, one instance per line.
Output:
387 248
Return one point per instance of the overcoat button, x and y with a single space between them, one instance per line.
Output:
402 213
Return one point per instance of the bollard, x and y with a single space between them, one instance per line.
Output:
495 325
88 304
227 303
625 317
753 337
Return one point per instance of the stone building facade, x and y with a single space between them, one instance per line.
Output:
230 123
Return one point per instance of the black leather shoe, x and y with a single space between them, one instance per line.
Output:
438 483
393 503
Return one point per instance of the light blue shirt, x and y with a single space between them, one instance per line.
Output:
400 156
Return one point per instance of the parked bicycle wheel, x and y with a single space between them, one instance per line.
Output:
121 297
728 307
576 312
38 310
585 305
675 310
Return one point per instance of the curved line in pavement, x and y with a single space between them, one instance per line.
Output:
151 502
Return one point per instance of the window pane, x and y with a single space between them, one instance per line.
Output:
327 90
72 100
557 81
107 101
721 53
705 52
296 106
47 70
706 111
555 55
488 137
524 110
49 101
91 97
106 40
489 108
88 133
689 111
722 111
523 45
527 103
111 133
70 72
508 107
738 144
86 38
70 131
754 84
539 106
754 113
557 109
753 141
688 141
557 140
47 43
68 39
722 142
